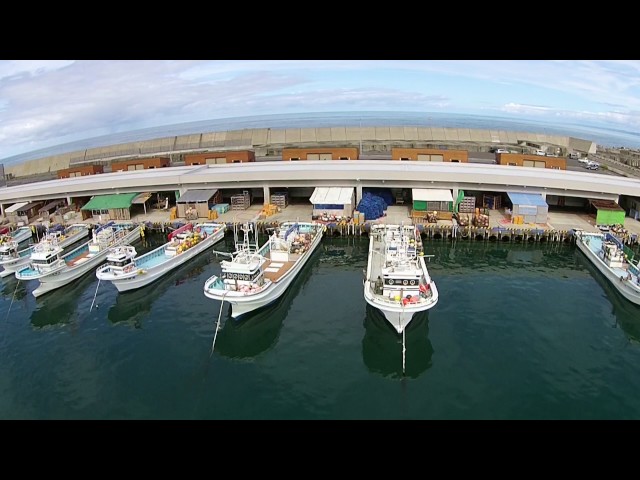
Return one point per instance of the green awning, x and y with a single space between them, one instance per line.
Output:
108 202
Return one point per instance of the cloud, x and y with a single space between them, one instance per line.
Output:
44 103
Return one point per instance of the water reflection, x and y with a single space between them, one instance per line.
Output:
61 307
627 314
344 251
382 346
257 332
133 306
13 289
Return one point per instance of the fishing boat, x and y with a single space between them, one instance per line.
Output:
54 269
69 235
257 276
259 332
606 253
20 235
14 258
397 281
127 272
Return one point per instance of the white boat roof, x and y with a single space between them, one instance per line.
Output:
432 194
332 195
15 207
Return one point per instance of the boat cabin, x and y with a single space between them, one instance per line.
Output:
613 255
9 250
46 257
121 259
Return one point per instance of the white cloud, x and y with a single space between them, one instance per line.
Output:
44 102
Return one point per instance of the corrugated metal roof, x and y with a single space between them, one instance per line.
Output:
197 196
527 199
605 205
106 202
140 199
52 204
15 206
432 195
332 195
29 206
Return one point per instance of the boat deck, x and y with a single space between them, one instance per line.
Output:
83 257
624 272
377 260
274 271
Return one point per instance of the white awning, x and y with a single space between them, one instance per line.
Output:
15 207
432 195
332 196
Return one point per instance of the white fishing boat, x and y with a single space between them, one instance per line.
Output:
128 272
69 235
54 269
397 281
606 252
14 258
20 235
257 276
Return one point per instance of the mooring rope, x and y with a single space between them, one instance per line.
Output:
94 296
215 335
404 349
12 299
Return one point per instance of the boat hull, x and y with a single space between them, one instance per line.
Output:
76 237
63 277
242 304
22 235
398 316
627 289
154 273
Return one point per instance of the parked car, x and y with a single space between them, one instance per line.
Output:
542 153
584 160
592 166
502 150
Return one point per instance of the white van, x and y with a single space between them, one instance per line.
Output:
574 155
542 153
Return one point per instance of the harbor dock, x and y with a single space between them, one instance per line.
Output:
558 228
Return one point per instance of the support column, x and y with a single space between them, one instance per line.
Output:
358 193
544 196
2 209
456 192
267 195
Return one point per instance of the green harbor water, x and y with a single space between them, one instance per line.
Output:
521 331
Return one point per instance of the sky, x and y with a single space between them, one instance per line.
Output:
52 102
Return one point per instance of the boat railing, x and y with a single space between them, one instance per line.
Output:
392 301
72 255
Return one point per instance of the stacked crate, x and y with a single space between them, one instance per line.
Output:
280 199
492 202
241 202
467 205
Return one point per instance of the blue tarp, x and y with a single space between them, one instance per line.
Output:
527 199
